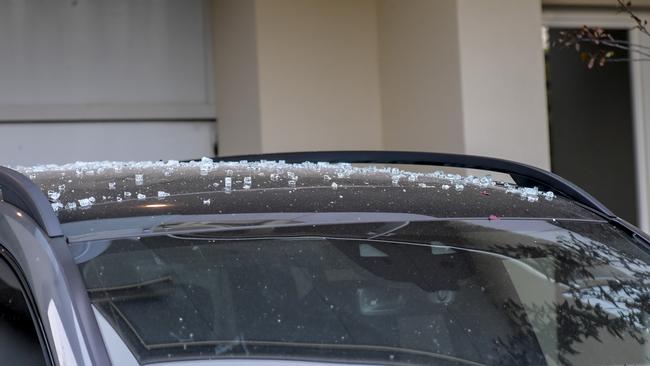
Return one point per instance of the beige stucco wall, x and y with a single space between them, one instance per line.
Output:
463 76
420 74
318 68
502 80
236 74
297 75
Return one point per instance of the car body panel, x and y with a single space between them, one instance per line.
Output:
56 288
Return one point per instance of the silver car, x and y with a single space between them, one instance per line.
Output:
333 258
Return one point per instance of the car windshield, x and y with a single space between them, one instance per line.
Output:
443 292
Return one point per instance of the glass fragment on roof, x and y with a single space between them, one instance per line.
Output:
161 179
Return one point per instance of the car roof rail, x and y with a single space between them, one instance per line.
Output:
18 190
522 174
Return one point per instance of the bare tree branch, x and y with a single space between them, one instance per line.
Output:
641 24
595 46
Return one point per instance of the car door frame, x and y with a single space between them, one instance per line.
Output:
58 292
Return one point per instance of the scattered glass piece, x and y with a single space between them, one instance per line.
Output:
227 186
86 202
56 206
485 181
395 180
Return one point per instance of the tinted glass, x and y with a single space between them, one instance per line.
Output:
496 292
19 343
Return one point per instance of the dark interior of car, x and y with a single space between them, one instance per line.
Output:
19 342
272 296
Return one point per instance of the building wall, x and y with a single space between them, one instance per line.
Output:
237 91
318 68
70 69
462 76
502 80
297 75
25 143
420 74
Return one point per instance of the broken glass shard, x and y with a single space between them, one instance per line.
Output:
227 185
86 202
54 195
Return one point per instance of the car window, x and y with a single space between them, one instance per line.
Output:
19 340
502 292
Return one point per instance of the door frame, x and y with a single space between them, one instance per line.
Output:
640 93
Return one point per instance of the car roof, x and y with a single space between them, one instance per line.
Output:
109 190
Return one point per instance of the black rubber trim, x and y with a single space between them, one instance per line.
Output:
20 191
522 174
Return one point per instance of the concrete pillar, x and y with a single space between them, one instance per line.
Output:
464 76
502 80
237 90
420 75
297 75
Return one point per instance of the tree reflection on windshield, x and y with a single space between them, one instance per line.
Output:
605 294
